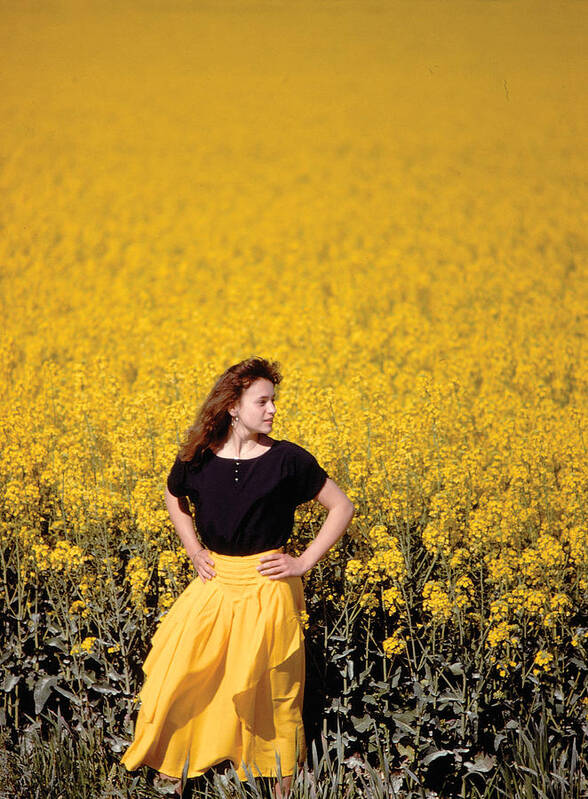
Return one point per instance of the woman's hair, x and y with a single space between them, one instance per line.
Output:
213 419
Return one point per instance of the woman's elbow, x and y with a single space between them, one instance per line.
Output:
350 508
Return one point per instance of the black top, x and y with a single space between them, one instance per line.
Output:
247 506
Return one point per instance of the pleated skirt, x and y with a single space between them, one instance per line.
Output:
225 676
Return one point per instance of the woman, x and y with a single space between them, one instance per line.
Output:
225 673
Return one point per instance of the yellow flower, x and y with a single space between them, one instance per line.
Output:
79 606
499 610
535 601
550 551
166 600
459 558
504 666
435 538
169 562
303 618
543 661
138 577
501 568
368 601
86 646
436 601
394 645
392 598
499 634
464 591
41 555
530 566
379 535
67 557
85 583
561 604
353 571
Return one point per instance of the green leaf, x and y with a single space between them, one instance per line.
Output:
396 678
406 751
104 688
363 724
404 725
72 697
42 692
482 764
59 643
10 681
434 755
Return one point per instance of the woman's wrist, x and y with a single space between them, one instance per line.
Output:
193 552
306 560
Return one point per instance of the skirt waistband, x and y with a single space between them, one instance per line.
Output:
240 568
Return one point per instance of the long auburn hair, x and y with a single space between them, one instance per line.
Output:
213 419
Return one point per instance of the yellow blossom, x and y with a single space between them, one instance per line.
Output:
138 576
500 633
79 606
459 557
543 661
303 618
434 537
392 598
353 570
394 645
436 601
85 646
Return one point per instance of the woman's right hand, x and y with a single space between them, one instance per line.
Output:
203 563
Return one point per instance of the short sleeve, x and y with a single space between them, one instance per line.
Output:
309 476
176 478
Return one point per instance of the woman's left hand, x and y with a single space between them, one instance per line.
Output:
280 564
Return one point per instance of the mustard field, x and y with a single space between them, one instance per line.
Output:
389 199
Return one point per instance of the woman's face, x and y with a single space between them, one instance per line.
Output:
256 408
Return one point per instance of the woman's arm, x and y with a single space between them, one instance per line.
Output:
179 512
341 510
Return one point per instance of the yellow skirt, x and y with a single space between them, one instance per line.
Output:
225 676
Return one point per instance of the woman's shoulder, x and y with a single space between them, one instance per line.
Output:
294 450
196 462
287 446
